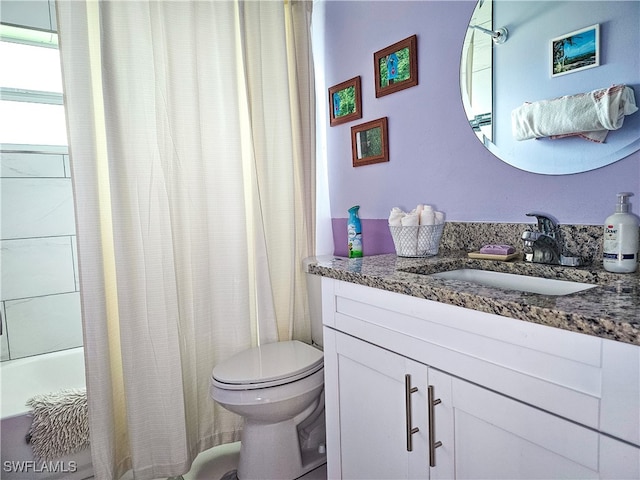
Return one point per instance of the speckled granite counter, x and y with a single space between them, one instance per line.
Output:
610 310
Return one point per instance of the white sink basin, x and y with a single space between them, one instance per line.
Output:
510 281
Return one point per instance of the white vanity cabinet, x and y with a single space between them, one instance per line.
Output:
371 399
510 399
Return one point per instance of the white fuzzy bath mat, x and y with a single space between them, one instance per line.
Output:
60 423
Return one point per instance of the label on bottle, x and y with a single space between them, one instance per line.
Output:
613 248
610 245
354 241
618 256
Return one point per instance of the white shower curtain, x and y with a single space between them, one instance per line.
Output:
191 133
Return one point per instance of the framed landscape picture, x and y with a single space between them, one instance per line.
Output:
575 51
370 142
396 67
345 102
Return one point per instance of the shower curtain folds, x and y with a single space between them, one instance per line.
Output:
192 149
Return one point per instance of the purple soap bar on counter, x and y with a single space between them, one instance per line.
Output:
497 249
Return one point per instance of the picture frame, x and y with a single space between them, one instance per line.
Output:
575 51
396 66
345 102
370 142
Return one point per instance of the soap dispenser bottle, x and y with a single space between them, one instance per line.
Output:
354 233
620 245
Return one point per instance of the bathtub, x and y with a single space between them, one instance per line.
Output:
20 380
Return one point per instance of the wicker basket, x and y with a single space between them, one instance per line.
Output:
418 241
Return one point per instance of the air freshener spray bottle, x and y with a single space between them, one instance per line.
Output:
620 246
354 233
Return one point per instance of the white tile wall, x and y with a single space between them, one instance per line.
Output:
34 13
36 266
37 234
76 274
36 207
4 346
67 166
38 280
32 165
43 324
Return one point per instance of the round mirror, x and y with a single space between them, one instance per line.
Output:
498 77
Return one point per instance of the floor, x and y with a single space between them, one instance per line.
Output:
213 464
220 463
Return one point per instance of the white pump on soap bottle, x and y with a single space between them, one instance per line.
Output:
620 245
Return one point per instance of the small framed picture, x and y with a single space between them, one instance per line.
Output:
575 51
396 67
345 102
369 142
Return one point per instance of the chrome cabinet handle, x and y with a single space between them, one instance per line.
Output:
408 390
432 425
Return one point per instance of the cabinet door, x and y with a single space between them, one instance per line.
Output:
498 437
371 413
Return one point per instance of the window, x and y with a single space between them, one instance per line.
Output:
31 102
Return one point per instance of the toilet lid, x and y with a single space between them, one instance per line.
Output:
268 365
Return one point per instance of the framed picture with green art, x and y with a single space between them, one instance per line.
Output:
345 102
396 67
370 142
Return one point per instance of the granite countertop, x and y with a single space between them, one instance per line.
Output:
610 310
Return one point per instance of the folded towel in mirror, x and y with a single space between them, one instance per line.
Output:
589 115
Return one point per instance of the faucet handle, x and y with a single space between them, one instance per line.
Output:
546 223
530 236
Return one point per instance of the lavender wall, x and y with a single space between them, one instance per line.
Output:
434 156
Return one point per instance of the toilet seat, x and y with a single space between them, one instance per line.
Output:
267 366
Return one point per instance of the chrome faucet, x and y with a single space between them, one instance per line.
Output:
544 245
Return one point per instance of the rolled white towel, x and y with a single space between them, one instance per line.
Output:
596 111
395 217
421 215
410 219
428 217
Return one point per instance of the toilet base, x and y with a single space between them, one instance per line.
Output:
273 451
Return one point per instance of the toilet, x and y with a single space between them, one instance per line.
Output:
278 389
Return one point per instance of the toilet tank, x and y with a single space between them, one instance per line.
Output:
314 294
